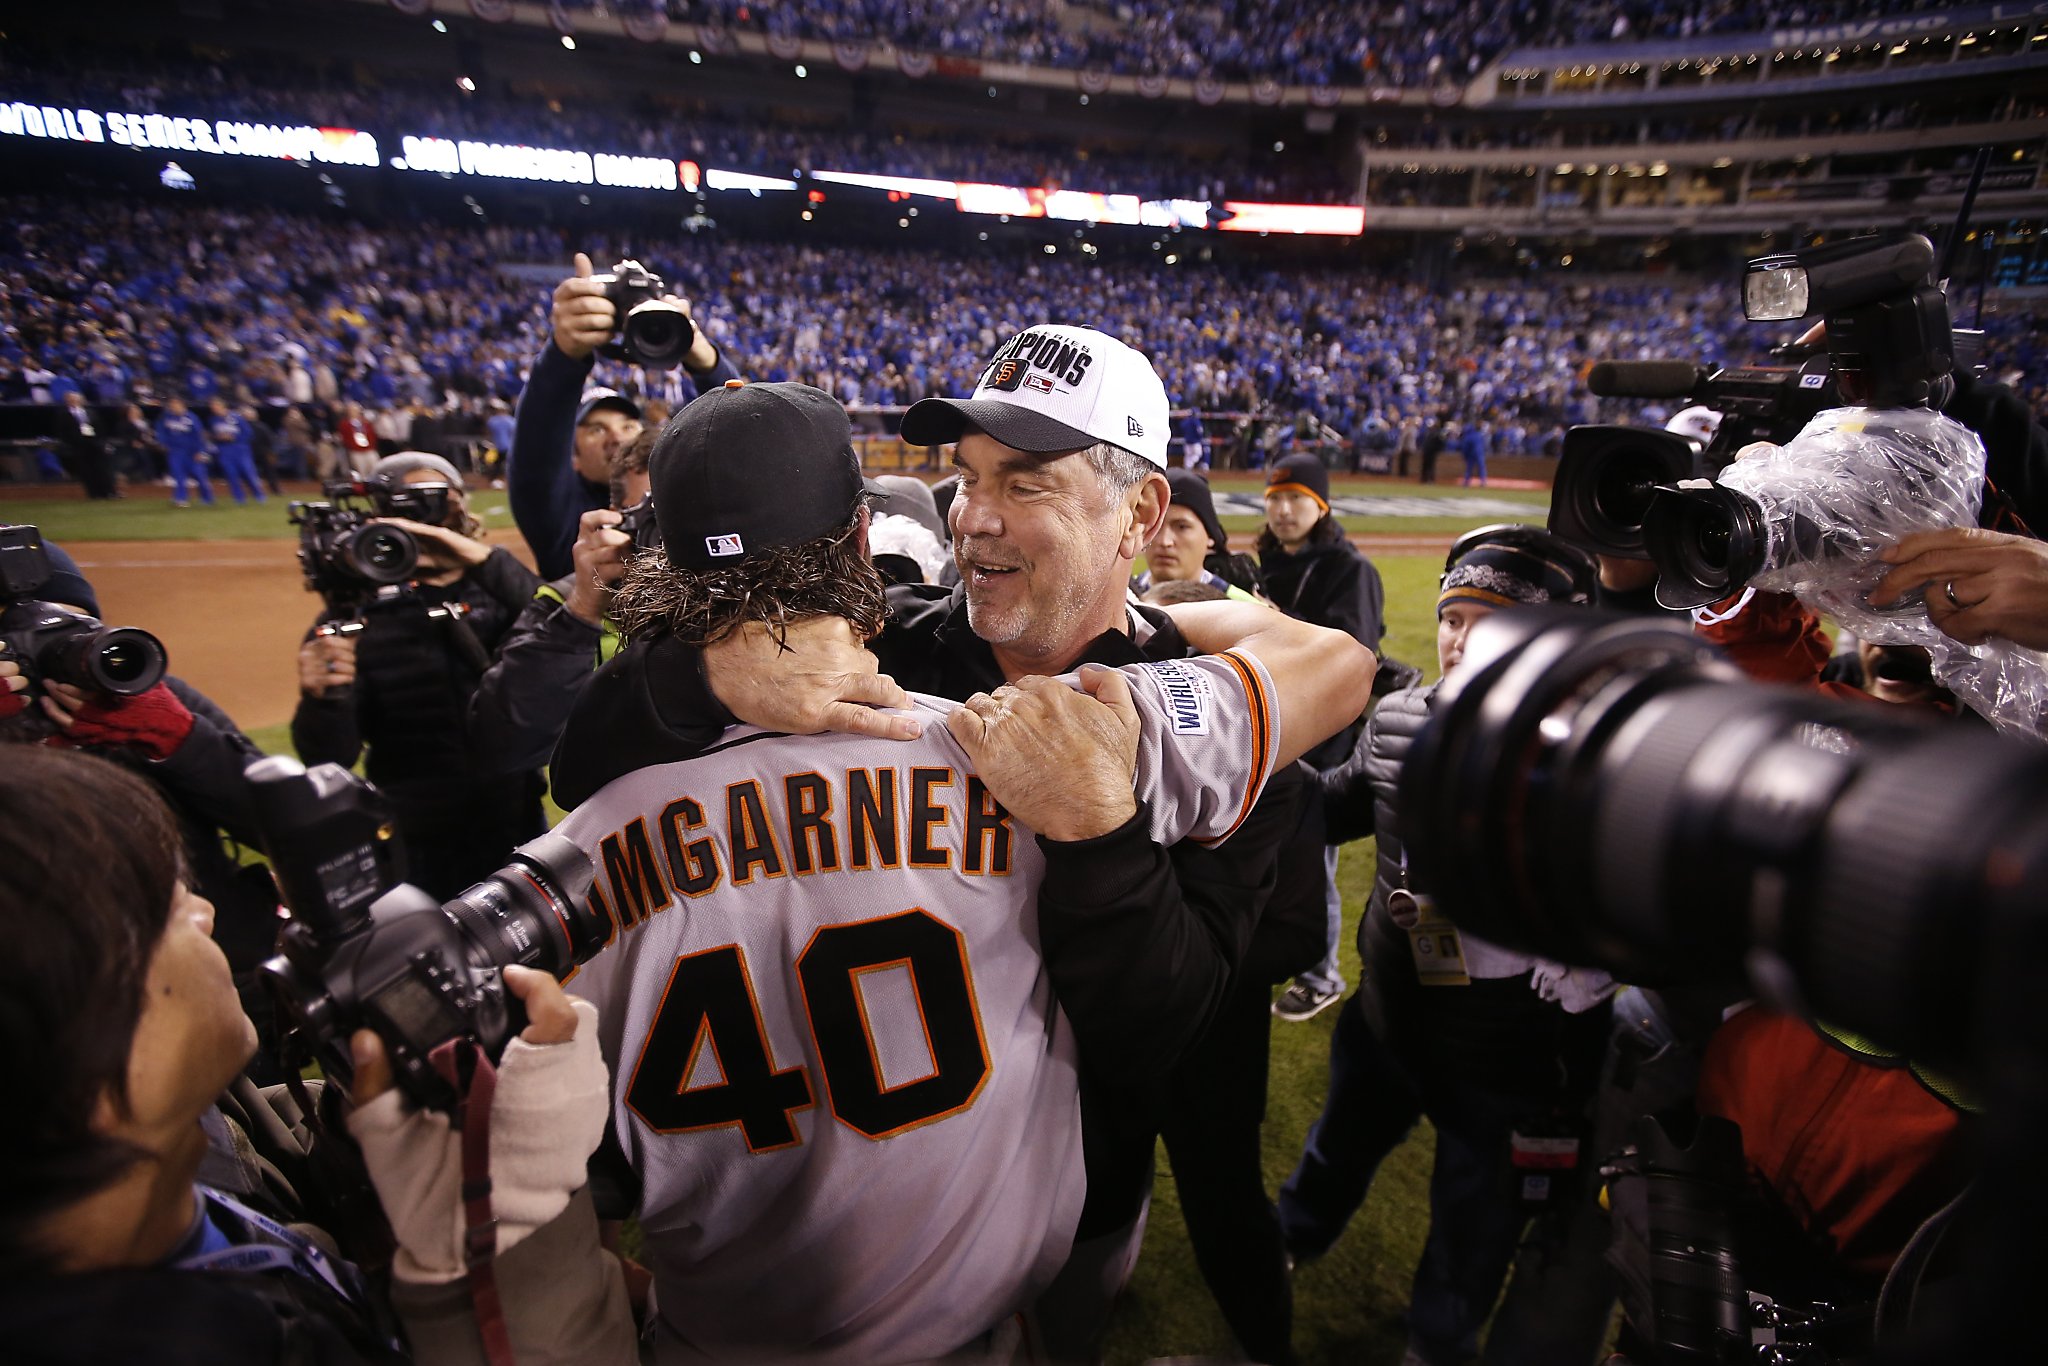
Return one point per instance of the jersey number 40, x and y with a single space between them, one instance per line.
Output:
710 1000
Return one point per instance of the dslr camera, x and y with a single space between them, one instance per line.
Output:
365 949
651 332
346 557
638 522
56 644
1645 494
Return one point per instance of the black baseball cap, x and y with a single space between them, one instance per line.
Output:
749 467
1191 491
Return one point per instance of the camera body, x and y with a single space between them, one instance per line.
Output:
345 556
55 644
651 331
638 522
365 949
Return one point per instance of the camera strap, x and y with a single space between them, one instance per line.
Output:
465 1067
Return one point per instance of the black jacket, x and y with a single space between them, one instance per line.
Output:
410 704
1140 942
1327 583
520 707
203 785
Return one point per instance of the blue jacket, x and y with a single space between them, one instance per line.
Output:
230 431
181 434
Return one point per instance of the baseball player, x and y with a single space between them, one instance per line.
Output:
843 1081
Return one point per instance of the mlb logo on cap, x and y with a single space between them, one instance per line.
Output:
1055 388
724 545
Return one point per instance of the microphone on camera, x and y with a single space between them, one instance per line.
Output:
1644 378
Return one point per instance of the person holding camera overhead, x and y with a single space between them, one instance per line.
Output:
396 674
564 439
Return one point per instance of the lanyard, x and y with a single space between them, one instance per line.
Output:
285 1250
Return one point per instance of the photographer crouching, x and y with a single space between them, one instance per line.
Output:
393 659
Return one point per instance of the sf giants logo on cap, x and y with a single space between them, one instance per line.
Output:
723 546
1060 359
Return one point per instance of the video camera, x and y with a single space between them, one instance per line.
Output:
54 643
366 949
652 331
1638 493
345 556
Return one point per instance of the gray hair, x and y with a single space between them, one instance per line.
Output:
1119 470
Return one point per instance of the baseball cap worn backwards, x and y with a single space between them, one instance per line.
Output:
1055 388
750 467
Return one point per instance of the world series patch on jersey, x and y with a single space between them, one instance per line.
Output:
839 1069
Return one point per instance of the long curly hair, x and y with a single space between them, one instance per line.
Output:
830 576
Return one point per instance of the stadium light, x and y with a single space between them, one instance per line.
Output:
568 42
440 27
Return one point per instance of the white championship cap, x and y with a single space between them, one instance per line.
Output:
1055 388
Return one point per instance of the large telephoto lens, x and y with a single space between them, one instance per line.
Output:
1611 792
536 911
380 554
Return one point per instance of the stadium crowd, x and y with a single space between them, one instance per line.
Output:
1411 43
130 302
137 303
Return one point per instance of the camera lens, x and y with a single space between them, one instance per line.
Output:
1707 542
1611 792
657 334
128 661
1710 545
1622 493
536 911
120 660
381 554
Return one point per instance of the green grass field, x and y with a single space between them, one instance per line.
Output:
149 518
1347 1305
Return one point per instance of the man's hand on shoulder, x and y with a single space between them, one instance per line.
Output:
820 677
1059 760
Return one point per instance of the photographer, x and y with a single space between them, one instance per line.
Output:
140 1226
190 752
561 636
399 682
562 444
1487 1043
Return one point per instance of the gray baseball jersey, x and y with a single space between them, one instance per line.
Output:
837 1065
